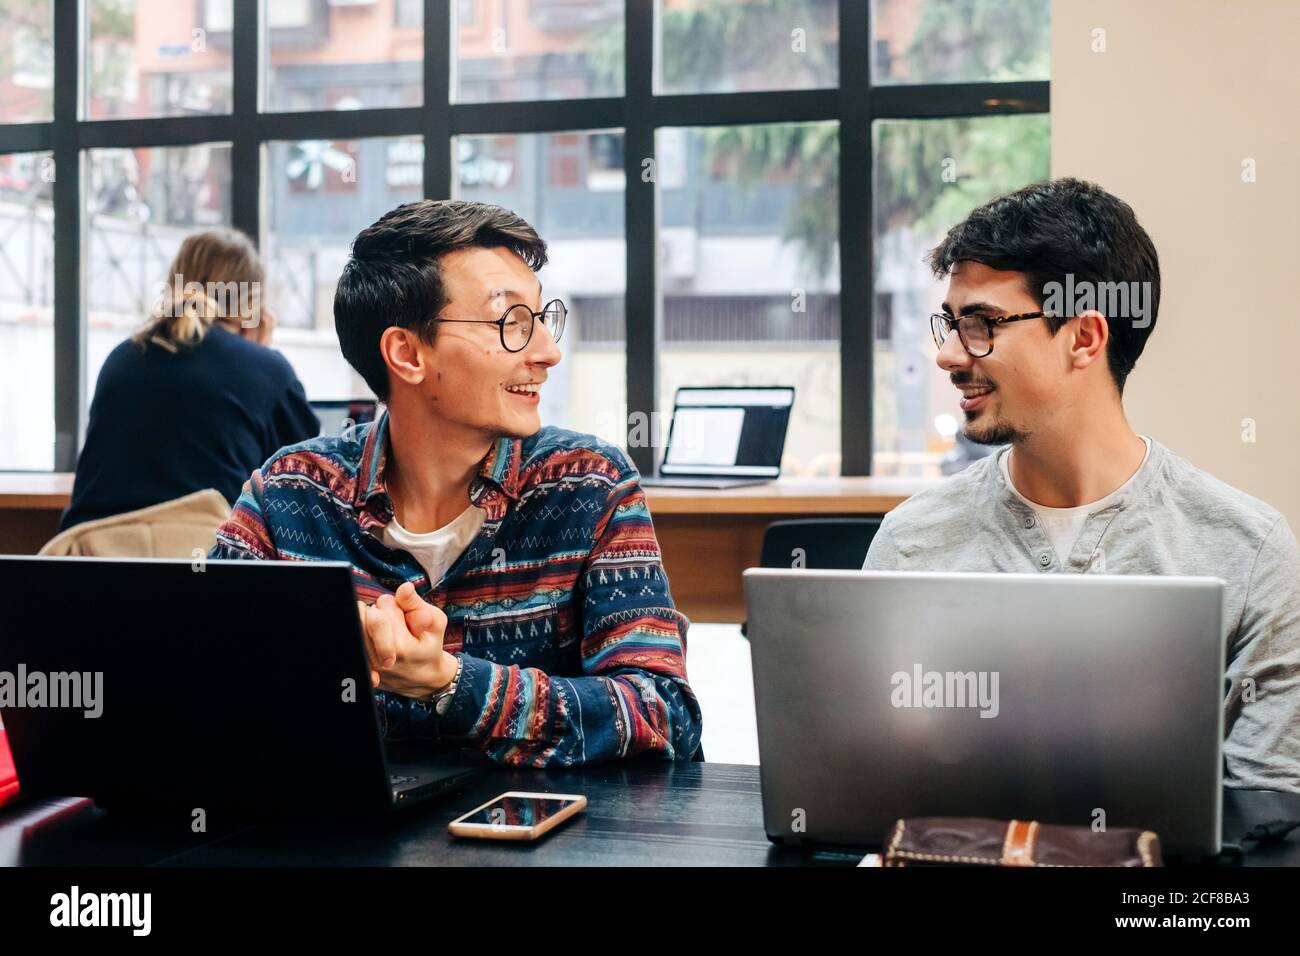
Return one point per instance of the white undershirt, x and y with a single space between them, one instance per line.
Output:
1063 525
437 550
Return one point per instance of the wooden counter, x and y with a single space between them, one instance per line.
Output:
810 497
30 505
35 489
707 537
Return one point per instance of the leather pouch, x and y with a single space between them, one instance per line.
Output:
975 841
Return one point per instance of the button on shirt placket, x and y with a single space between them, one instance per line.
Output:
1034 537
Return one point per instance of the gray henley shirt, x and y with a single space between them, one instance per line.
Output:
1172 518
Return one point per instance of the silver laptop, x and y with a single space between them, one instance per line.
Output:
1074 699
725 437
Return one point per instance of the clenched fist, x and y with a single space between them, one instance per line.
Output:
404 644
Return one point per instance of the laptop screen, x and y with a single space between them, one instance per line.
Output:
728 432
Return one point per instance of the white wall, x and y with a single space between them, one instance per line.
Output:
1185 92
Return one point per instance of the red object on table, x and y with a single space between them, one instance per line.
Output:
8 775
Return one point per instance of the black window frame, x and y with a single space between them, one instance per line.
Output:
854 104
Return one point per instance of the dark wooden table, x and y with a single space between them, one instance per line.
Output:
638 815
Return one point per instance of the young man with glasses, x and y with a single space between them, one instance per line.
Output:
512 592
1076 490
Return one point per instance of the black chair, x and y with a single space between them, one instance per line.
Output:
818 543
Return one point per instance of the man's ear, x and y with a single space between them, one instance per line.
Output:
400 350
1091 334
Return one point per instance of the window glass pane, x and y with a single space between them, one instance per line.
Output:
719 46
26 61
141 203
26 312
320 194
960 41
158 58
344 56
538 49
749 246
929 175
569 186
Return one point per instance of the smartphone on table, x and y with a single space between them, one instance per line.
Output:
518 815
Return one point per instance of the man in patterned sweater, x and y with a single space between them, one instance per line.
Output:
512 593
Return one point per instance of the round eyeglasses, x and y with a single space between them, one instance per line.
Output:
517 322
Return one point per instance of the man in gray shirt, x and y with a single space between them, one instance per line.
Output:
1062 279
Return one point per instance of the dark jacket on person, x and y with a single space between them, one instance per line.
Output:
164 424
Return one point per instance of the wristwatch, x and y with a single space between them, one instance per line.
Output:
441 700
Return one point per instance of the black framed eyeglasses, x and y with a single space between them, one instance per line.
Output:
974 331
517 322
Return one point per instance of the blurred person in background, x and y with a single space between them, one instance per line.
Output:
196 398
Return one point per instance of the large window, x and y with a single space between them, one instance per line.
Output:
733 191
750 272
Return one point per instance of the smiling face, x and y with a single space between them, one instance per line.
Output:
465 375
1018 388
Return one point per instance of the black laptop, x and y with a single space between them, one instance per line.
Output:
241 685
725 437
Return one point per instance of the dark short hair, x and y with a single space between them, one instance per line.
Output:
1063 227
394 276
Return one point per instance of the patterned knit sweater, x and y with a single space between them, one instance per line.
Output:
571 649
